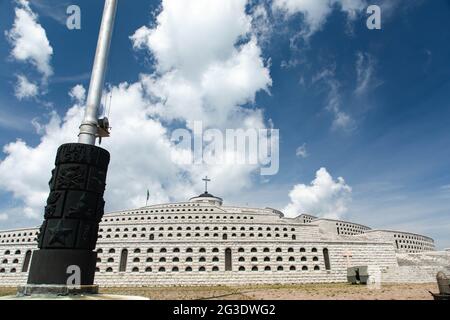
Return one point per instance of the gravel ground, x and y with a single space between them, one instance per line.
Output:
277 292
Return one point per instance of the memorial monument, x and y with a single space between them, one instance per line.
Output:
65 261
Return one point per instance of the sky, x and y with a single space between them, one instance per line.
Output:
363 115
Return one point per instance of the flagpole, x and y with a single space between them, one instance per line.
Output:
89 126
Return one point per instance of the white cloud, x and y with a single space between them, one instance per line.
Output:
262 26
215 96
316 12
29 39
365 73
25 89
38 127
301 151
3 217
25 170
366 80
55 9
190 35
323 197
78 94
341 119
202 75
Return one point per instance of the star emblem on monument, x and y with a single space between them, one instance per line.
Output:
58 233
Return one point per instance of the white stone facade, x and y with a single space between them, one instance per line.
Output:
203 242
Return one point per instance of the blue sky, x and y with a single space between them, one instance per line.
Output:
370 106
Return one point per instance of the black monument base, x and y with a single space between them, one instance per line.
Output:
445 297
60 266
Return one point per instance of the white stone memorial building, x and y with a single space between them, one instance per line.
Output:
205 242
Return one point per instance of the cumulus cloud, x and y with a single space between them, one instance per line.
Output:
78 94
323 197
25 89
316 12
202 73
208 68
190 40
25 170
29 39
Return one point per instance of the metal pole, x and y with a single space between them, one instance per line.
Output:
88 128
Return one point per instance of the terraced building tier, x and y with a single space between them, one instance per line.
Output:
204 242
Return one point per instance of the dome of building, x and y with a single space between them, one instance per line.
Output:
207 198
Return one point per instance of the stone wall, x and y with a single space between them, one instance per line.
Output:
287 256
371 254
412 274
380 258
418 267
430 258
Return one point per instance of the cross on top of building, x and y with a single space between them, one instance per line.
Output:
206 183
